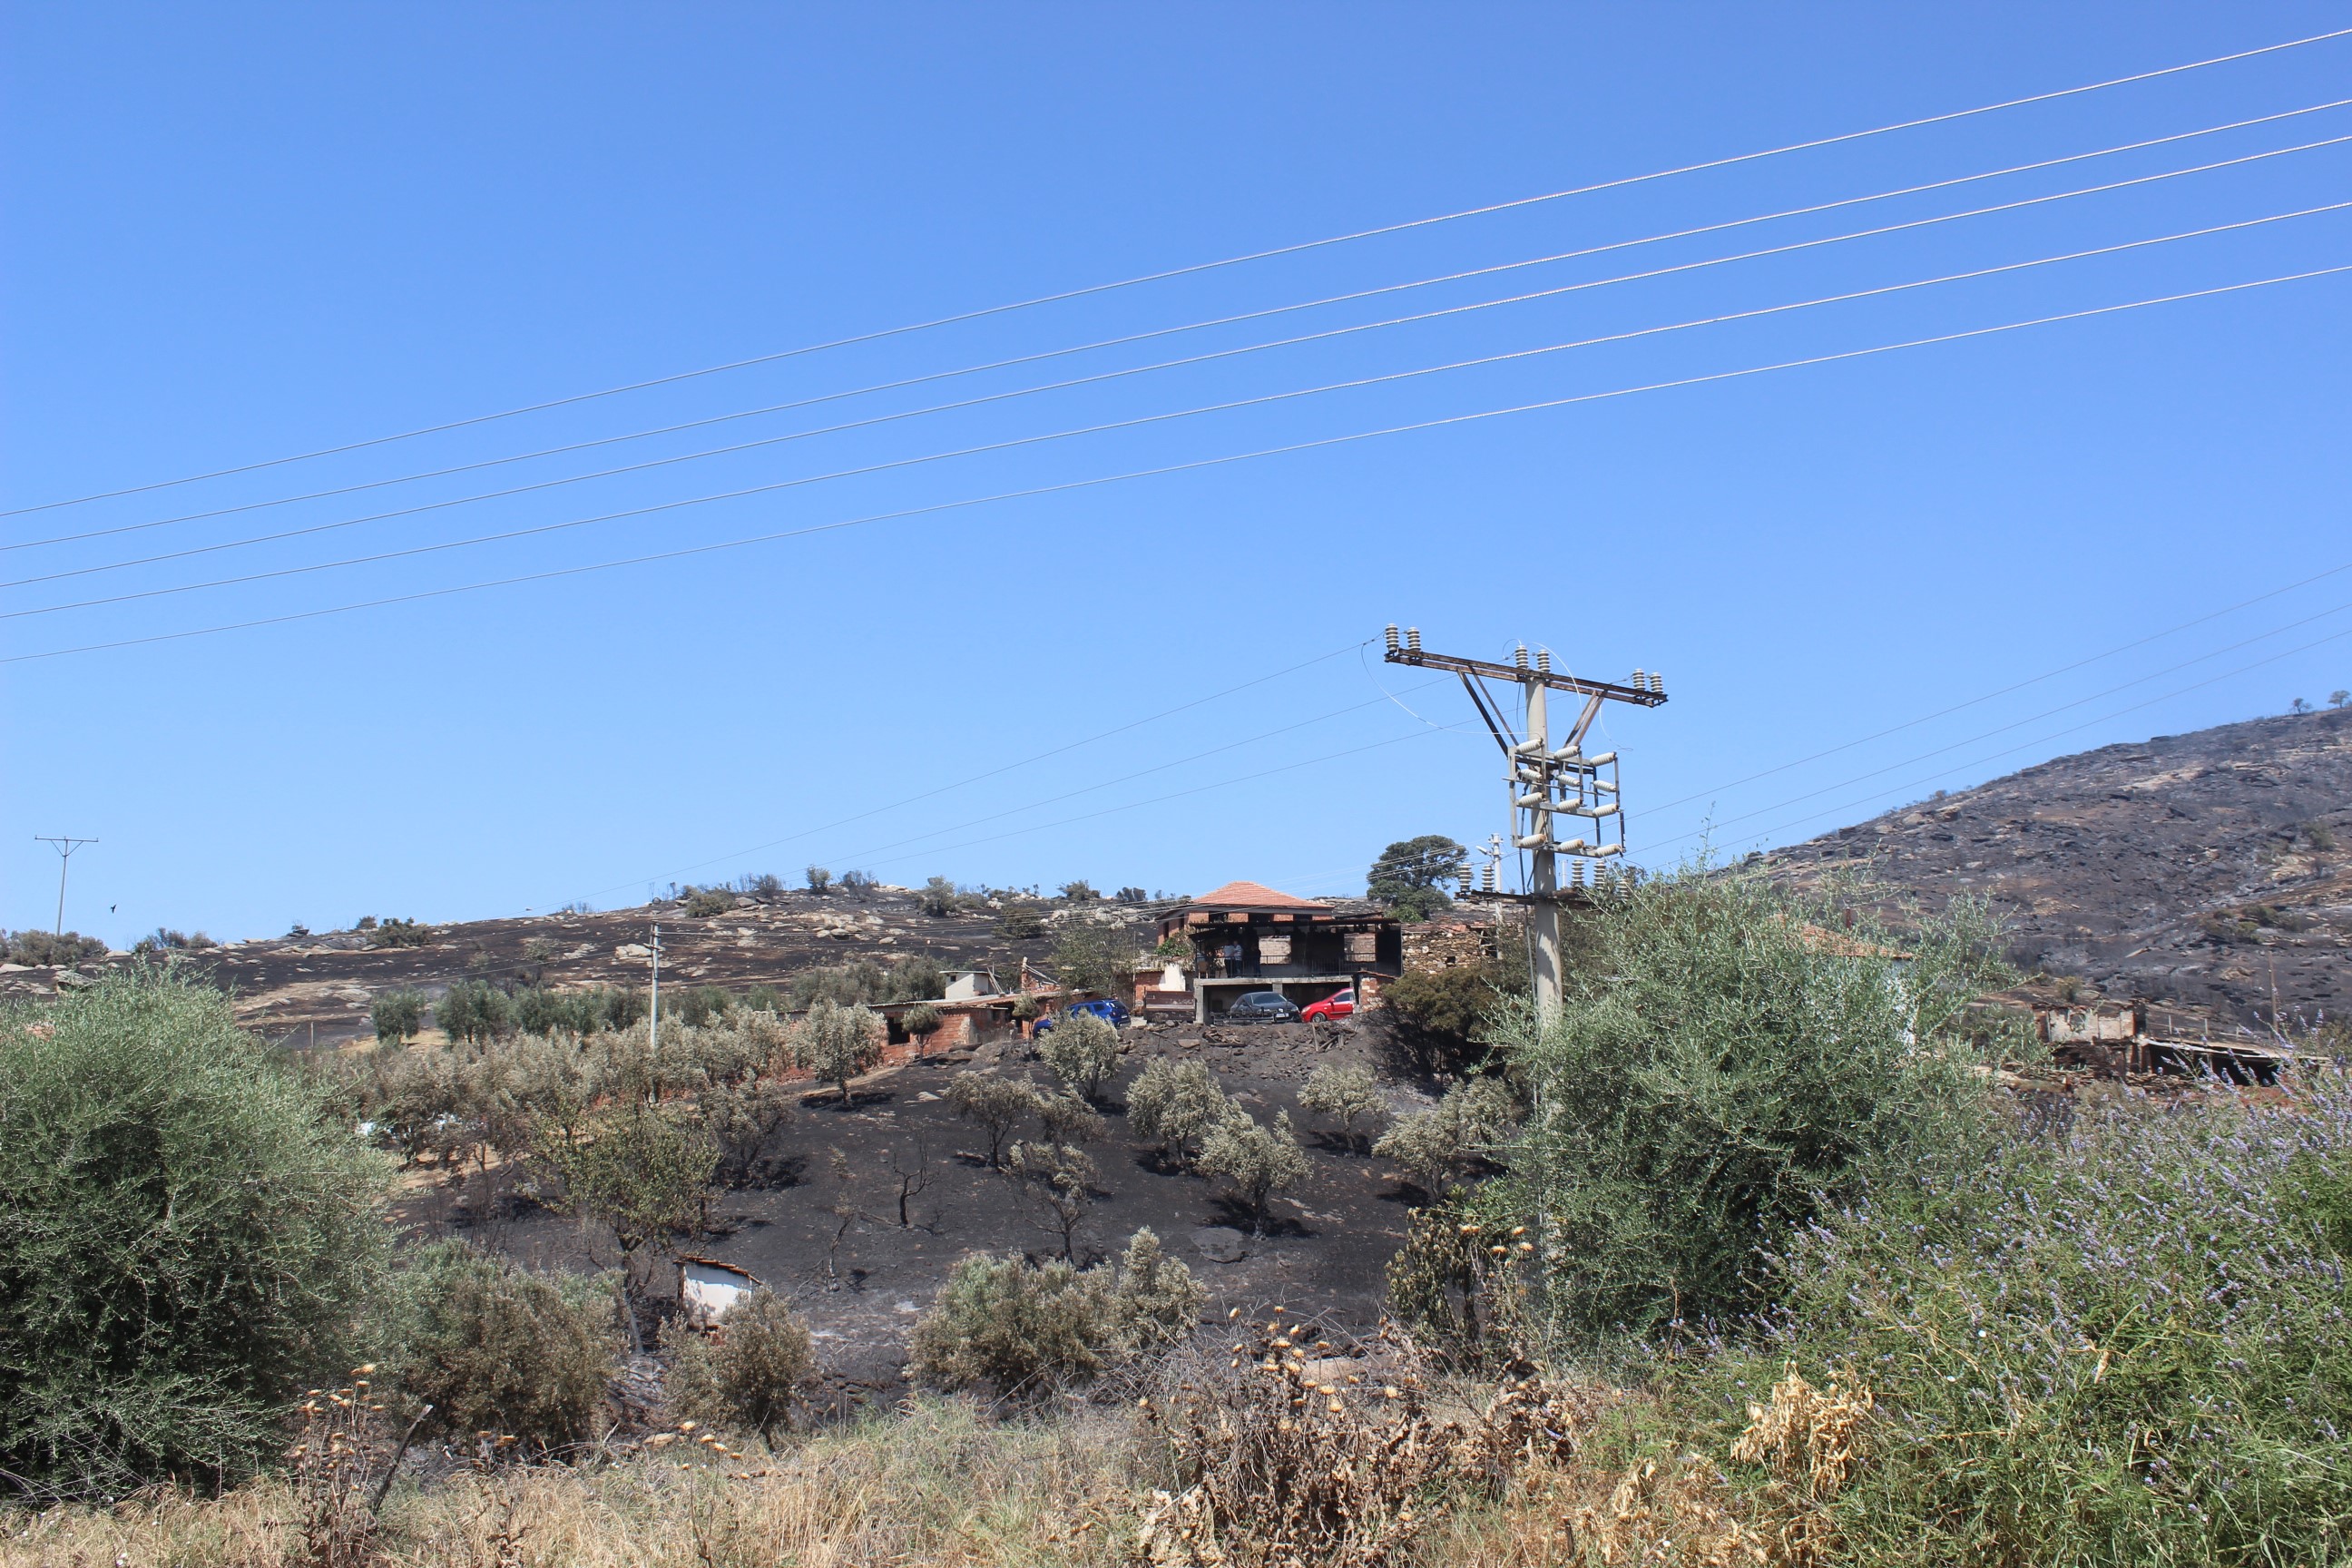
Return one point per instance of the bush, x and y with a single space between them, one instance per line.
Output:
699 1004
1028 1329
1724 1067
1258 1161
1348 1095
921 1022
858 882
997 1104
1021 921
834 1044
1082 1049
742 1120
938 897
1445 1146
1066 1118
701 903
645 1172
187 1237
1080 891
1060 1180
2124 1348
1093 955
539 1010
474 1011
1174 1105
496 1347
820 881
386 933
397 1014
748 1373
47 948
1435 1022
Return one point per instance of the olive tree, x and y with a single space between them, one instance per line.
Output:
1346 1094
834 1044
1442 1147
1257 1160
1175 1104
1082 1049
997 1104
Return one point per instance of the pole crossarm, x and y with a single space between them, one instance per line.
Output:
1488 670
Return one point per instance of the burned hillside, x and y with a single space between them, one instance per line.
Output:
2212 870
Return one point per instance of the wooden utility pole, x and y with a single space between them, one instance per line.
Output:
1547 782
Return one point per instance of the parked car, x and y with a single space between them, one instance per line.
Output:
1338 1004
1109 1011
1262 1007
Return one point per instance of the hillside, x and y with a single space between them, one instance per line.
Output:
2212 870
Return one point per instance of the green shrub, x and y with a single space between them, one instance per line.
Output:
1175 1104
997 1104
2127 1347
1027 1330
1093 955
938 897
701 903
623 1005
643 1171
41 949
834 1044
921 1022
540 1010
496 1347
386 933
1435 1022
1021 921
916 978
1082 1049
474 1011
1445 1146
1064 1117
748 1373
699 1004
397 1014
1348 1095
1723 1067
820 881
1258 1161
187 1237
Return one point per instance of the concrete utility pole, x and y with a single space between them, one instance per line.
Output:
652 1011
65 848
1547 781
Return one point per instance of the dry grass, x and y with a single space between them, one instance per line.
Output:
936 1484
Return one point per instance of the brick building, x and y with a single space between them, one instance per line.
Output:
1245 936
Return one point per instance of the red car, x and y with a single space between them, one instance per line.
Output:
1338 1004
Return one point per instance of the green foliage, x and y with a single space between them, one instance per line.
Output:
40 948
938 897
1093 955
699 1004
921 1022
1066 1118
1436 1021
1155 1303
916 978
186 1237
1175 1104
623 1005
496 1347
2123 1347
1080 891
997 1104
1021 921
1348 1095
820 881
834 1044
391 932
1082 1050
701 903
748 1373
1027 1330
397 1014
644 1172
1723 1069
742 1120
1406 875
539 1010
1059 1179
1445 1146
474 1011
1258 1161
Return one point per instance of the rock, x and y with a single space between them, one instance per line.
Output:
632 950
1220 1243
74 979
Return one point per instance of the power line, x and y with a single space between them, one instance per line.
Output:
2006 690
1230 320
1198 463
312 528
1017 442
1191 269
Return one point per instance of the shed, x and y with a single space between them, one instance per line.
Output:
709 1289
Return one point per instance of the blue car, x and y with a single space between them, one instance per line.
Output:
1109 1012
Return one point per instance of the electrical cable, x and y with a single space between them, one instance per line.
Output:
1192 269
1070 485
1141 420
1232 319
2046 714
312 528
2022 746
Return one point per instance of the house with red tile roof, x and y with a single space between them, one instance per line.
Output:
1247 936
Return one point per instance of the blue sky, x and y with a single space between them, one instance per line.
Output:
238 233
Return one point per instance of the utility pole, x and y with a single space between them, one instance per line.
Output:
653 1012
1546 781
65 848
